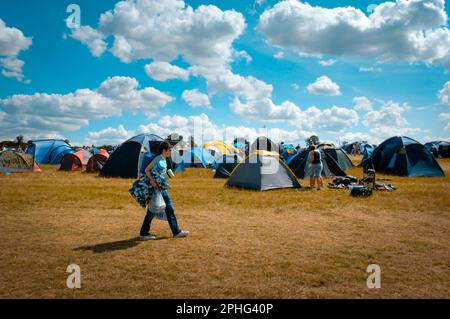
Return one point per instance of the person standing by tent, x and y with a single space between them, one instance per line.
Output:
158 166
316 167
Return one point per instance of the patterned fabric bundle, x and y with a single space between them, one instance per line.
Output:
142 190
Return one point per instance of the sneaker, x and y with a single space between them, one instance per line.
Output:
182 233
148 237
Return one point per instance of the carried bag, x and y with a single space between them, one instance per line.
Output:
158 205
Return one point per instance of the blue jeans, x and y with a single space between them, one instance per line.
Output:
171 219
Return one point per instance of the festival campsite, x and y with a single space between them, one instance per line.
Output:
255 233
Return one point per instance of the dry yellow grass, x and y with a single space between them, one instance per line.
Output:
243 244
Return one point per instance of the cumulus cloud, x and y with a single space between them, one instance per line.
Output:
328 62
200 126
108 136
390 114
12 42
385 121
203 37
324 86
404 30
444 94
279 55
379 134
54 113
196 99
163 71
444 97
237 55
91 38
163 30
370 69
362 104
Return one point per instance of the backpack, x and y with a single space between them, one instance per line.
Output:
361 192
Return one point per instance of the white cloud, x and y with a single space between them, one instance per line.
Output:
390 114
447 127
165 29
163 71
200 126
242 55
379 134
91 38
362 104
386 121
279 55
196 99
324 86
370 69
295 86
444 94
12 42
328 62
444 116
54 113
108 136
404 30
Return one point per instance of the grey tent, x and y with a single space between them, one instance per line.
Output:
263 171
338 154
263 143
298 164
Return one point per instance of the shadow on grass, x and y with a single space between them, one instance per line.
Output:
112 246
115 245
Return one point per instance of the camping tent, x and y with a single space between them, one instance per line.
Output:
226 165
126 161
49 151
439 149
368 151
337 154
263 170
263 144
97 161
287 151
14 162
218 149
75 161
361 146
196 157
331 167
403 156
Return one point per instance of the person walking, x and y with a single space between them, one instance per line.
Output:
157 169
316 167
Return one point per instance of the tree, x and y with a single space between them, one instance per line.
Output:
20 142
312 140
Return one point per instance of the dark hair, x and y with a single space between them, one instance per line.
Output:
312 147
164 146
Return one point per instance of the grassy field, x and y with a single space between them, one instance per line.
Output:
243 244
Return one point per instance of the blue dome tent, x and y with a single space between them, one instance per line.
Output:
403 156
440 149
128 159
49 151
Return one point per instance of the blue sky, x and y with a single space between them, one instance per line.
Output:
273 71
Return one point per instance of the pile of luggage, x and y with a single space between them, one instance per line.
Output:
361 188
